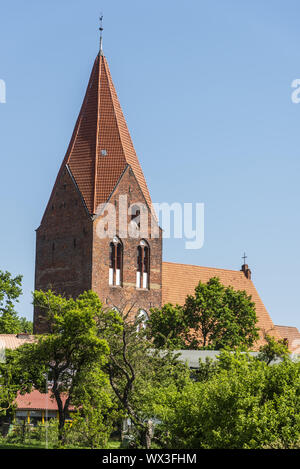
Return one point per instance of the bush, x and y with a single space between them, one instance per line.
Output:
245 404
47 432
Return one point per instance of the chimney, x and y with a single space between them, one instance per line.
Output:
246 271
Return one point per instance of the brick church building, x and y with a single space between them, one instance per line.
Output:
101 165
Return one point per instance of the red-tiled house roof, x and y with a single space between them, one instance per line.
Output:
36 400
13 341
180 280
101 147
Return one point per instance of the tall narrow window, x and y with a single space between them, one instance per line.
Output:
143 265
115 262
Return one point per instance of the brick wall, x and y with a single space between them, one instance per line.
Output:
71 258
63 245
127 294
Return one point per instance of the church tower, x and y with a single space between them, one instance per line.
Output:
100 172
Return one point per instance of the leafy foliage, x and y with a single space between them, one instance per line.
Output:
11 381
273 349
243 404
138 375
168 327
97 411
103 365
10 291
67 355
215 317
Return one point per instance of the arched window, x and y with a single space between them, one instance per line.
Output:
115 262
143 265
141 320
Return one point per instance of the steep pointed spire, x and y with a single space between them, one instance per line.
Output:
101 147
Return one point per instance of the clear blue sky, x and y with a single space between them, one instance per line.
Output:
206 90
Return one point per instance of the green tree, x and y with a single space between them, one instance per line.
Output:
66 355
10 291
215 317
242 404
168 326
273 349
26 326
10 381
13 379
138 375
97 411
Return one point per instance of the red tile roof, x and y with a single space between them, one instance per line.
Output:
180 280
101 126
13 341
36 400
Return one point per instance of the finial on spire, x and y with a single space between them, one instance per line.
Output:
101 31
244 257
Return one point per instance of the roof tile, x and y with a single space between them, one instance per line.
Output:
180 280
36 400
13 341
101 126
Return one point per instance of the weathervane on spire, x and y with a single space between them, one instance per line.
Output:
101 31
